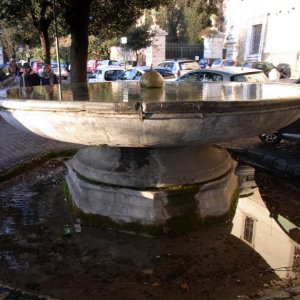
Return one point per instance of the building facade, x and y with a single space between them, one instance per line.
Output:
263 30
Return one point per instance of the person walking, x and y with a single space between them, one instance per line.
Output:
28 78
47 76
14 67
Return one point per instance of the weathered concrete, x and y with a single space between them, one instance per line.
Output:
178 115
145 185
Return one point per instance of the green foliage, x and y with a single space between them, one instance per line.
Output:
184 20
38 13
172 19
13 36
105 20
197 17
139 37
64 54
99 48
110 19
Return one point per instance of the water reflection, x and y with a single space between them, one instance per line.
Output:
171 92
266 219
270 234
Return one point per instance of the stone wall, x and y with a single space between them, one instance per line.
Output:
213 46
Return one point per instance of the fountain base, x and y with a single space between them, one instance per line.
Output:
152 185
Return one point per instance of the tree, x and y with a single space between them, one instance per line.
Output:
197 14
13 36
184 20
99 48
38 11
139 38
105 19
172 19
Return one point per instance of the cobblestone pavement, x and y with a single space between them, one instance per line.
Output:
283 158
18 148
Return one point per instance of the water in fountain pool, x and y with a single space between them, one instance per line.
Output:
254 252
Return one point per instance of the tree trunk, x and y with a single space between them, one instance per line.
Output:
45 43
78 56
79 22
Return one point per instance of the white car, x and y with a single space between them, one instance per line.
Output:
103 74
137 73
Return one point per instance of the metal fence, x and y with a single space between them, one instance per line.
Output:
181 50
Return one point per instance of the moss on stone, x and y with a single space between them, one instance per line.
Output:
35 162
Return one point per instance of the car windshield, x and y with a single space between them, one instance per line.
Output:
165 73
189 65
228 63
216 62
131 75
112 75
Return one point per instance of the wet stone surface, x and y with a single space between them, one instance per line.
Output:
37 256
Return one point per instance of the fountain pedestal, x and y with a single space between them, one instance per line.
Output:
151 185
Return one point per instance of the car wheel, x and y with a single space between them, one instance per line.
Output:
270 138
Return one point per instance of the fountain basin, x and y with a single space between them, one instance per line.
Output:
179 115
148 154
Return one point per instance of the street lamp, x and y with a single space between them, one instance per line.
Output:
57 51
124 42
56 41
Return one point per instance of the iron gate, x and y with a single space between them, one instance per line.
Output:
182 50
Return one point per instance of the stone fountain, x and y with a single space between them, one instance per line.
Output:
148 154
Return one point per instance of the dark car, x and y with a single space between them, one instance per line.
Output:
137 73
265 66
284 70
290 133
206 62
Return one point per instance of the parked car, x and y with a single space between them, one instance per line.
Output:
109 62
137 73
238 74
206 62
261 65
6 75
103 74
290 133
63 70
36 65
284 70
92 65
224 63
180 66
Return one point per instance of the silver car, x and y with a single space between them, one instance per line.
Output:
238 74
180 66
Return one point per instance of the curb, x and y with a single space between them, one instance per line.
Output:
287 167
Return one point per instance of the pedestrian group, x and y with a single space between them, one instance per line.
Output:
30 78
